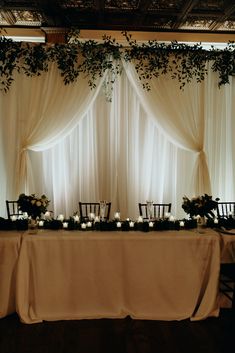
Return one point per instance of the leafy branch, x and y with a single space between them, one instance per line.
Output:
93 59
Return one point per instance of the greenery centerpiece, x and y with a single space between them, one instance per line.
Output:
33 205
202 206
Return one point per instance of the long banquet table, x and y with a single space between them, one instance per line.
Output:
167 275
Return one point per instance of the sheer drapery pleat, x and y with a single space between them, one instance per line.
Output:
71 144
219 136
180 114
115 153
45 111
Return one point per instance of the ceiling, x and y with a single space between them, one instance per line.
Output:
194 16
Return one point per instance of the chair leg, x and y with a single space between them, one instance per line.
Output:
233 300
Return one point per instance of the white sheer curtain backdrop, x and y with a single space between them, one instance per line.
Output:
42 111
120 151
180 114
115 153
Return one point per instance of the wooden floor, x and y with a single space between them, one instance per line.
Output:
213 335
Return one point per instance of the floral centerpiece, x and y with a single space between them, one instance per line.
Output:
33 205
201 205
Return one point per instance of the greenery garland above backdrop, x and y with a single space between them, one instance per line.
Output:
92 59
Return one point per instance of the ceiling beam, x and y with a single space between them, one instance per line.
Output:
228 12
186 9
142 11
160 36
9 17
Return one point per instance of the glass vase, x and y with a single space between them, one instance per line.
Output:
102 210
201 222
149 210
32 225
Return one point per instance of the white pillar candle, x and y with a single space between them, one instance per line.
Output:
48 214
131 224
89 224
151 224
171 218
216 221
13 218
140 219
61 217
181 223
91 216
117 216
41 223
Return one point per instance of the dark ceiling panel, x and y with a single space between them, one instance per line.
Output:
149 15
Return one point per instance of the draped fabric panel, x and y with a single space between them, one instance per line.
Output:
42 112
180 114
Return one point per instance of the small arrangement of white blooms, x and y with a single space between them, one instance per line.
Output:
33 205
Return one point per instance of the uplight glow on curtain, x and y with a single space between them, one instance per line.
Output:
115 153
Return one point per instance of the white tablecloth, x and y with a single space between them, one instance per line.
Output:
9 253
81 275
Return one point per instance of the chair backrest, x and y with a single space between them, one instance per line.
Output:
86 208
225 209
158 210
12 209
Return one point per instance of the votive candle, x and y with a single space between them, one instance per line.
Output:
41 223
76 218
119 224
83 225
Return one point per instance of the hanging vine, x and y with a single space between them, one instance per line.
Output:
92 59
